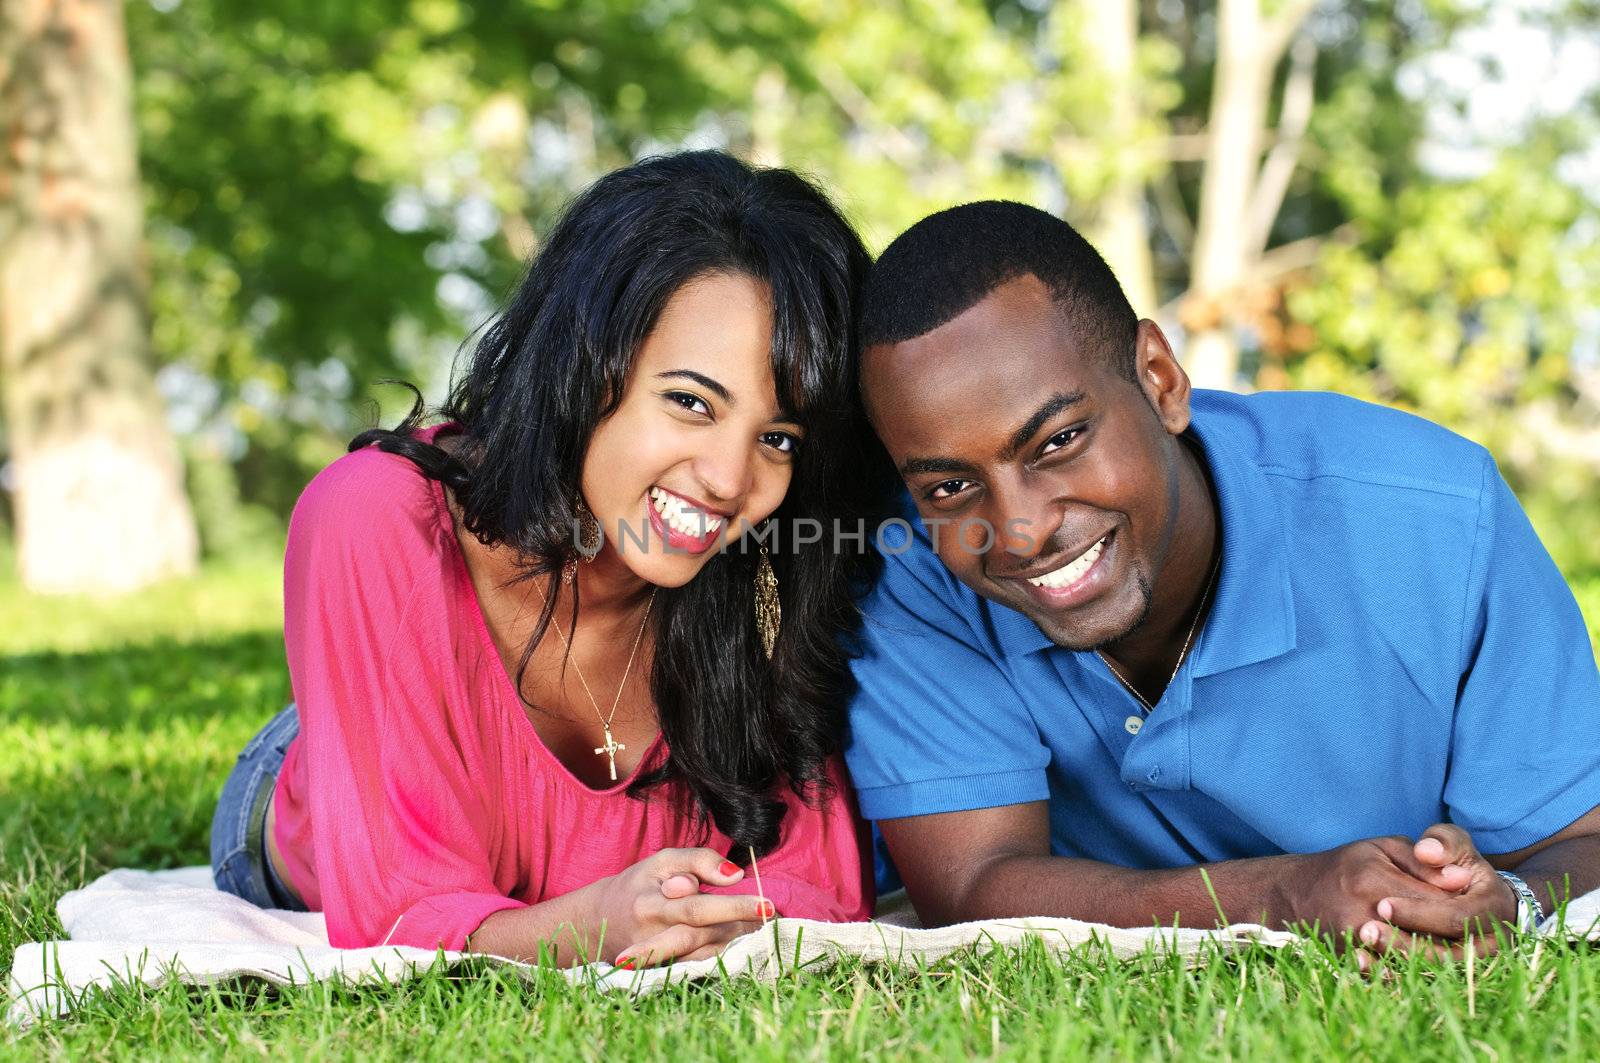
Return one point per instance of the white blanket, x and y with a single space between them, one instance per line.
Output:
154 926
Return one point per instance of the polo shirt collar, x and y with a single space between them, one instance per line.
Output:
1252 617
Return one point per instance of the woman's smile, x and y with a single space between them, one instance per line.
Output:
683 523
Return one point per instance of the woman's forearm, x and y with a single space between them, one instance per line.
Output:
658 894
565 930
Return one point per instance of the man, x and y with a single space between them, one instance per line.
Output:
1307 643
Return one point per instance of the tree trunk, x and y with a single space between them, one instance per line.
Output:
769 108
99 499
1121 230
1249 48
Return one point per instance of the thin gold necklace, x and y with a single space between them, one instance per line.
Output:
1211 583
612 747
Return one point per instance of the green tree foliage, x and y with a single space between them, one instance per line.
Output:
1465 301
340 192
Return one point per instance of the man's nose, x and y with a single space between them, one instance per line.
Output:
1024 517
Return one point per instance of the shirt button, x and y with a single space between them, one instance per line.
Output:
1132 724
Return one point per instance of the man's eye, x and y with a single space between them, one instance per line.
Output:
1060 439
780 441
947 489
692 403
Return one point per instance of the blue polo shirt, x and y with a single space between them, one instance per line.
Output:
1390 646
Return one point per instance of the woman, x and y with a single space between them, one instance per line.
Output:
676 368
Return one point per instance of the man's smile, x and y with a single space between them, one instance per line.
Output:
1070 584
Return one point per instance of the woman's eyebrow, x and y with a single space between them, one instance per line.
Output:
704 381
787 417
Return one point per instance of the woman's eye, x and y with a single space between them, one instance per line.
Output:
692 403
1060 439
780 441
947 489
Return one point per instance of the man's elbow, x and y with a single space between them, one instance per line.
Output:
963 891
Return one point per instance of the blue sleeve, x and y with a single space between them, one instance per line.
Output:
1525 753
935 724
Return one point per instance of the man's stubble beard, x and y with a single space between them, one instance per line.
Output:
1146 595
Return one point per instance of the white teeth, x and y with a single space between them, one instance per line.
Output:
682 517
1072 571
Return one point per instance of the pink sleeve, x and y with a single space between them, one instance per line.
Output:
400 835
822 867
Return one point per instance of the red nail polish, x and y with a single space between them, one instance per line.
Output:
766 910
729 868
625 964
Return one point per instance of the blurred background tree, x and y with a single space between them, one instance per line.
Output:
339 193
90 449
1362 195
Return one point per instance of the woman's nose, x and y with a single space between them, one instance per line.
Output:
725 471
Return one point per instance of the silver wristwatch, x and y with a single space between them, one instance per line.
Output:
1530 913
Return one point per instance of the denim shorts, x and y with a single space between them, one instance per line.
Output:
239 860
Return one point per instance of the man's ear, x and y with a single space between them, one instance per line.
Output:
1161 378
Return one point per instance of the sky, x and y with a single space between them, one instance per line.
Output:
1510 72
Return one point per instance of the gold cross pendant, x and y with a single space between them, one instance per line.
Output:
610 750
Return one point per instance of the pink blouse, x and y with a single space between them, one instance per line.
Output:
418 799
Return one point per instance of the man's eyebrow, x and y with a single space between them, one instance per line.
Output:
916 466
700 378
1052 406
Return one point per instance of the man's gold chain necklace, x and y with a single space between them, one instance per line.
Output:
1205 599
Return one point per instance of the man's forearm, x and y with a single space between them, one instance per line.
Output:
1247 891
1562 870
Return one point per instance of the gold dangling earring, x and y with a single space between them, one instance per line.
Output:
769 611
587 547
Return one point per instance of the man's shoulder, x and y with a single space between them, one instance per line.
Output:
912 568
1310 436
914 582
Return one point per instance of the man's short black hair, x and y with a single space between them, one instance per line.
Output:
948 261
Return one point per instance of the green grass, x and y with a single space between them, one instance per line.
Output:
119 720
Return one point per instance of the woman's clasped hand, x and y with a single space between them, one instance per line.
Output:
663 915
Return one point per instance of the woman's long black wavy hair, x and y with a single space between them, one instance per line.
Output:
552 366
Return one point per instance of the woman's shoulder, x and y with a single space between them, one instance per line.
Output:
373 496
